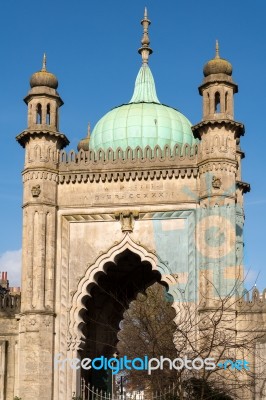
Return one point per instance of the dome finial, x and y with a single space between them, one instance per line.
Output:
145 13
145 50
44 62
43 77
217 55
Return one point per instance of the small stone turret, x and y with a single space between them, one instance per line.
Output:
42 139
43 100
219 133
218 88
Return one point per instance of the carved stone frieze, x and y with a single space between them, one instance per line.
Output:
109 176
42 154
217 144
23 137
42 175
119 165
214 165
204 126
130 156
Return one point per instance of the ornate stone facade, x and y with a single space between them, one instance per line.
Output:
177 212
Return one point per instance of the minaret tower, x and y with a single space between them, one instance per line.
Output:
42 142
221 188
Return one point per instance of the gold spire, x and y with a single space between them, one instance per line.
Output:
217 55
44 62
145 50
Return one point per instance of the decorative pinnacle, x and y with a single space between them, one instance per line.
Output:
145 50
44 62
89 129
217 55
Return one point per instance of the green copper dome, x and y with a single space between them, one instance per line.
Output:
143 121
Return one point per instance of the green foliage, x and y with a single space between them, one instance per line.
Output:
17 398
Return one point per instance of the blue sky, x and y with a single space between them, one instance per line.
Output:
92 47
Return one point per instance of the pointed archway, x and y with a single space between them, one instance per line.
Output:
85 285
107 288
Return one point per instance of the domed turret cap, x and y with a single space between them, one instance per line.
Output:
43 77
217 65
84 144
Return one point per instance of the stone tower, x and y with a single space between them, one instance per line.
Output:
42 141
221 187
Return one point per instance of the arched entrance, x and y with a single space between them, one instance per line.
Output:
105 304
104 293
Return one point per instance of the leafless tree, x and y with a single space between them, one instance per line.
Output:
214 327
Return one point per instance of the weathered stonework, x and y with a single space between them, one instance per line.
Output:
176 212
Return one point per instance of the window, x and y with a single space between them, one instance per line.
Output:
38 114
48 116
217 102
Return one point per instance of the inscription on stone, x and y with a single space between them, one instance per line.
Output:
133 196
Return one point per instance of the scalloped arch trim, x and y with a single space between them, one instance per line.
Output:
76 337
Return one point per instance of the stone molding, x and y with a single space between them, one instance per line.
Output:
35 321
22 138
166 214
119 156
122 165
39 154
89 217
42 175
217 165
110 176
138 164
112 165
221 123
